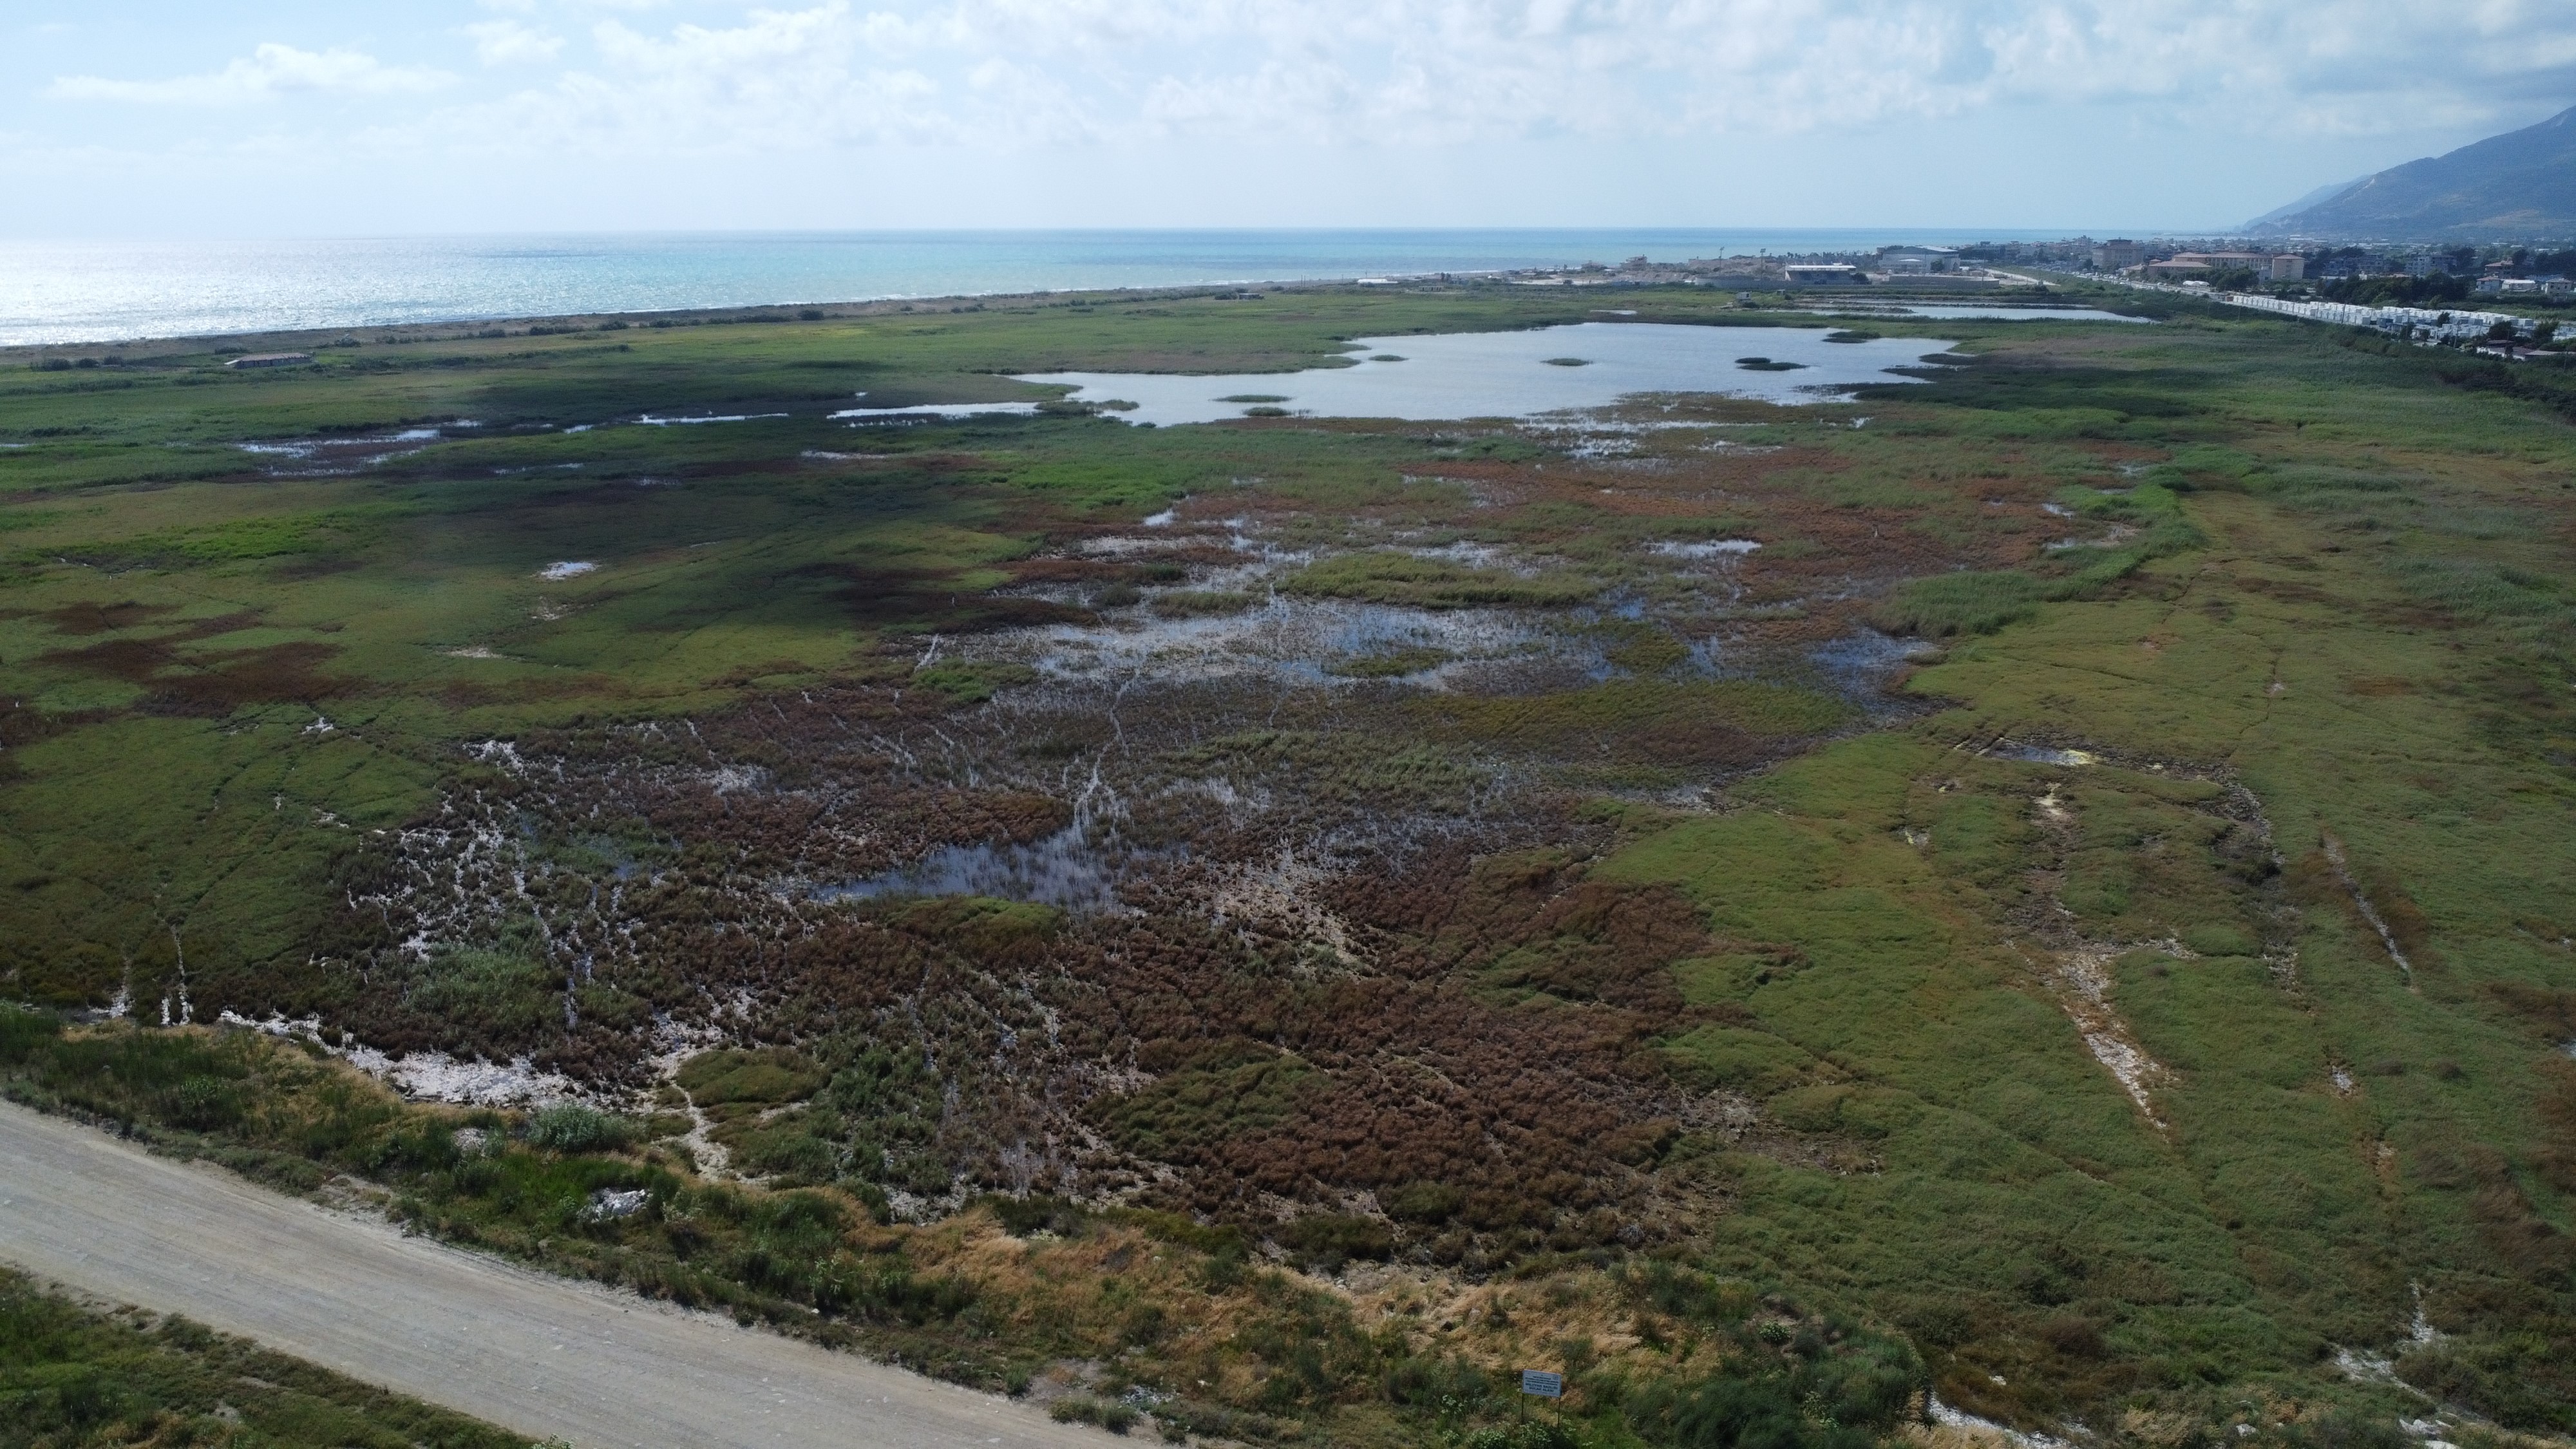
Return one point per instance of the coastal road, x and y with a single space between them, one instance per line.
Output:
545 1356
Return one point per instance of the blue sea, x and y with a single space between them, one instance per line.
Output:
109 291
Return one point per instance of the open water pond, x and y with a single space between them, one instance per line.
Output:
1518 374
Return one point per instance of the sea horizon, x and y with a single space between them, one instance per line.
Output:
73 292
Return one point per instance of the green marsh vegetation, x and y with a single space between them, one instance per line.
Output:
1536 943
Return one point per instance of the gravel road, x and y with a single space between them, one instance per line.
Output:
544 1356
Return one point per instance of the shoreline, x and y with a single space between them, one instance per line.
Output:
540 325
122 292
560 324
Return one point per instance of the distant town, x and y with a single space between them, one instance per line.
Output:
2386 274
2495 299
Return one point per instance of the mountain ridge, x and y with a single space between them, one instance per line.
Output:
2314 198
2518 184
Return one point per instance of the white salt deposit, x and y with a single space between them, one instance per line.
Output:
1712 548
609 1202
940 410
2039 754
438 1077
1954 1418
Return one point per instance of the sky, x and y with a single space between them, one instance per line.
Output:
185 118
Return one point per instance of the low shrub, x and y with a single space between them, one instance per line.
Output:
571 1127
1983 602
1109 1414
1402 578
1536 1434
1326 1241
1962 603
1021 1216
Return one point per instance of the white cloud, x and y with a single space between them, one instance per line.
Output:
507 42
1009 72
271 70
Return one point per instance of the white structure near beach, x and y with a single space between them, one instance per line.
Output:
2421 322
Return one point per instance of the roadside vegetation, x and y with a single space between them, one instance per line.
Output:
74 1375
2039 887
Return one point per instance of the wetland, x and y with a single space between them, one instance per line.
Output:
2018 868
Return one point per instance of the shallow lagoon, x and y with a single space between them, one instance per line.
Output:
1518 374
